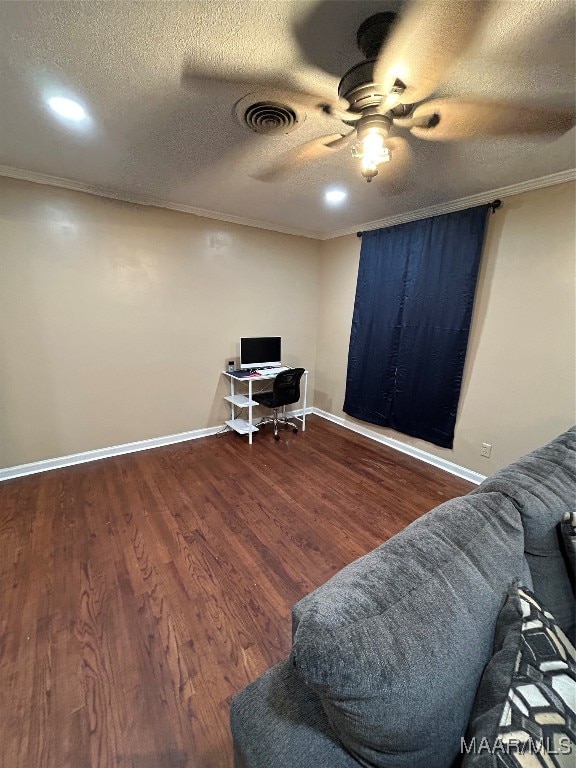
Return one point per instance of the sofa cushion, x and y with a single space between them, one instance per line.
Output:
552 587
542 485
526 703
395 643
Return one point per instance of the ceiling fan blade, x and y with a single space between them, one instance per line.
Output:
425 45
273 85
460 119
302 155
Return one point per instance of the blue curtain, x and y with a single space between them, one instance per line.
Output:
411 321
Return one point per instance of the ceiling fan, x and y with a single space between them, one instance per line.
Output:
407 58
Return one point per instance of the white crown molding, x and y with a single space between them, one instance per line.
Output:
416 453
105 453
457 205
422 213
128 197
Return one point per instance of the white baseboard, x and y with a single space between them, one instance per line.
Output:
104 453
417 453
157 442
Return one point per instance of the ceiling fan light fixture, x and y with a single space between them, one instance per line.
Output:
371 148
370 163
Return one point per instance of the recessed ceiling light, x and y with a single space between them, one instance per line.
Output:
335 196
66 108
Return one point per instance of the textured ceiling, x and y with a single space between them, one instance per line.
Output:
152 134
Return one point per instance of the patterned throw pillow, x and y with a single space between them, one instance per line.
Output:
525 710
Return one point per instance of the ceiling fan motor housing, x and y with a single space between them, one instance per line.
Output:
373 124
358 88
373 32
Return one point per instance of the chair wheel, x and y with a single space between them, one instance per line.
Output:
294 429
276 437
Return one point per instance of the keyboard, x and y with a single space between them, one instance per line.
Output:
272 371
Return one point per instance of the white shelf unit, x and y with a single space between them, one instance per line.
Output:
246 426
240 401
241 426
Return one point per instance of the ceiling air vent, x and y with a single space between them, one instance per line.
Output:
267 117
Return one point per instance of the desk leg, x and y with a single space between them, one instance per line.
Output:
250 411
232 415
305 394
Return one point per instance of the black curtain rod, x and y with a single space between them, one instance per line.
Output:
494 205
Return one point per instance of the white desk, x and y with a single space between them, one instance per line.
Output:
239 400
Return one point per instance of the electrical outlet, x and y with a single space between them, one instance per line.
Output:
486 450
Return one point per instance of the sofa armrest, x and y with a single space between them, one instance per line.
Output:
278 722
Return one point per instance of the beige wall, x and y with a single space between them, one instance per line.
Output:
519 383
116 319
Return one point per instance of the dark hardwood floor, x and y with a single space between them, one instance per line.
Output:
140 593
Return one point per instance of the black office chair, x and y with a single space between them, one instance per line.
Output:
286 391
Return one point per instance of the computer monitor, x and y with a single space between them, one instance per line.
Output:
260 351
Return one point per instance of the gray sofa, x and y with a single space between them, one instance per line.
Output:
387 655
